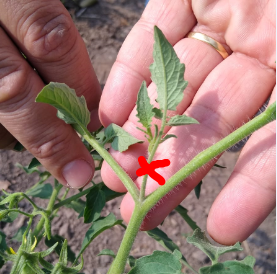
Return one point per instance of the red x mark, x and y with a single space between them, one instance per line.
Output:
150 169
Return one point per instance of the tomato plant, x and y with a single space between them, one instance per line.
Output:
168 75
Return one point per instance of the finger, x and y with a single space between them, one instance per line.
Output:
6 139
175 19
200 60
35 125
45 33
250 191
221 105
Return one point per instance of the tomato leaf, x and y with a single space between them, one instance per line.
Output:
167 73
42 191
120 139
228 267
100 225
144 108
184 214
180 120
60 240
94 204
200 240
168 136
158 113
159 262
71 108
159 236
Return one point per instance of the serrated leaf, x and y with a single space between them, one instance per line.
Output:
200 240
95 202
60 240
19 234
102 224
107 252
197 189
42 191
34 163
168 136
167 73
180 120
120 139
184 214
157 113
159 262
144 108
71 108
228 267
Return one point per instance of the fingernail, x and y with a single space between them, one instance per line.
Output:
77 173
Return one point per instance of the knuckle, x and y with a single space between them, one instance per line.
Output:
49 35
13 75
51 145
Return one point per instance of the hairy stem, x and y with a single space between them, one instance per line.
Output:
119 263
49 209
155 147
208 154
122 175
141 209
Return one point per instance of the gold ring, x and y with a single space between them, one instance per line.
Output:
210 41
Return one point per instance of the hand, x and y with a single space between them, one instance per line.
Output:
221 95
44 32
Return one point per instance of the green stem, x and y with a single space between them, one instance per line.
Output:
55 210
131 232
81 194
141 209
73 198
31 202
49 209
27 228
20 212
208 154
122 175
152 153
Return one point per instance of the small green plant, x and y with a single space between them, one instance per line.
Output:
168 75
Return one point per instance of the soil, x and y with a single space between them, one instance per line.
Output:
104 27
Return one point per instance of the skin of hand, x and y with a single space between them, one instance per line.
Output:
221 95
44 32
